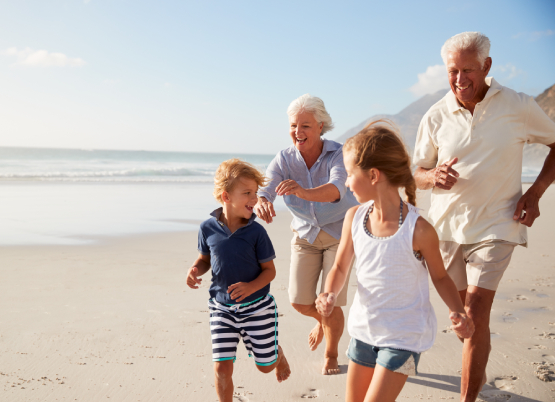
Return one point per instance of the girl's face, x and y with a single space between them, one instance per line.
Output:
359 181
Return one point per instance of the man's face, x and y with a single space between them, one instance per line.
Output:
467 76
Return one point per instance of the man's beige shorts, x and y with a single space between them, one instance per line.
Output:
478 264
307 262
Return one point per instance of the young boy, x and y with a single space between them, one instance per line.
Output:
241 256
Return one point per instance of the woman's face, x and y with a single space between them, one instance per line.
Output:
305 131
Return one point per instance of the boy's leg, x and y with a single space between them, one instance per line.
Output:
223 372
386 385
281 365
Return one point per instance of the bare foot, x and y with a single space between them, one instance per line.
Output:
315 337
282 367
330 366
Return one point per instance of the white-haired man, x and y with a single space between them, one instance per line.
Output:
469 150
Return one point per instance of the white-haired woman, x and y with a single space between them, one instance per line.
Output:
310 176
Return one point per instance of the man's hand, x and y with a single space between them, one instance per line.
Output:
463 325
192 278
240 291
290 187
264 209
444 176
325 303
529 204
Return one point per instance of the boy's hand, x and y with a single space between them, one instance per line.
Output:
192 278
240 290
325 303
463 325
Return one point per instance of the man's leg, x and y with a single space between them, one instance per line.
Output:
476 349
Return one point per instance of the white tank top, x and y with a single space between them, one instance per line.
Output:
392 305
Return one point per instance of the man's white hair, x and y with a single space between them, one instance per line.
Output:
314 105
467 41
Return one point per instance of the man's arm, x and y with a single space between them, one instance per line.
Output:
443 176
529 202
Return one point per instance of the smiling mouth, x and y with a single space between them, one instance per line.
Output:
249 208
462 88
299 141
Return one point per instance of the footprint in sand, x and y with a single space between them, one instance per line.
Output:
504 383
520 297
239 397
494 396
313 393
508 317
537 347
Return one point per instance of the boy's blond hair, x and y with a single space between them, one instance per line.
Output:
229 171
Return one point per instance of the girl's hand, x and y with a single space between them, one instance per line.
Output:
240 291
264 209
290 187
463 325
325 303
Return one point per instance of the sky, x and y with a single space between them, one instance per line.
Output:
217 76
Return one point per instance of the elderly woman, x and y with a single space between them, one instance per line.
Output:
310 176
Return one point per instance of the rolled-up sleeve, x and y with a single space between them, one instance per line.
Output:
275 176
540 128
338 174
425 151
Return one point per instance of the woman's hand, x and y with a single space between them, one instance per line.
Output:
325 303
264 209
291 187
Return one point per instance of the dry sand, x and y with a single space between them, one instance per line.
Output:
115 320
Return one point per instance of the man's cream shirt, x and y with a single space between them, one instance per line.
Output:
481 205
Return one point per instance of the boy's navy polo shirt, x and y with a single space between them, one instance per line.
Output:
234 257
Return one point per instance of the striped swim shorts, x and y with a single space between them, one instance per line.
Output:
255 322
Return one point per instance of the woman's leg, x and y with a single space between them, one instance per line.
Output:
386 385
358 382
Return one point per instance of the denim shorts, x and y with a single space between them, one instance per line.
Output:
396 360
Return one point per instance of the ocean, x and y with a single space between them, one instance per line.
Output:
77 196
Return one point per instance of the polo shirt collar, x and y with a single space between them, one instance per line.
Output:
218 212
454 106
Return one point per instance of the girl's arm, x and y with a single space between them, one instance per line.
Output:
340 270
241 290
426 241
199 268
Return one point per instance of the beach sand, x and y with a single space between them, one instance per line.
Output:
114 320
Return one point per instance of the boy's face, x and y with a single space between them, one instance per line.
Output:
242 198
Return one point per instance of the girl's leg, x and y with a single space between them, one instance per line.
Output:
386 385
223 372
358 382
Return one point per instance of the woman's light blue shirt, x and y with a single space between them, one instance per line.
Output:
311 217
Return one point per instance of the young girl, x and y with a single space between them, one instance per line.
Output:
391 321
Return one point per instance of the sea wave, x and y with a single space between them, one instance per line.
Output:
175 172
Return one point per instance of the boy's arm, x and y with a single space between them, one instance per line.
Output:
199 268
426 241
240 290
338 274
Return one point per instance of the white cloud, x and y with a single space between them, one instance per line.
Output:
167 85
532 36
42 58
434 79
508 71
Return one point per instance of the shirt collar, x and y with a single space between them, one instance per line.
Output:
454 106
218 212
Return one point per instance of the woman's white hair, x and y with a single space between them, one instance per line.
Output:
314 105
467 41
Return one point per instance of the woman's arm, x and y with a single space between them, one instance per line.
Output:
324 193
340 270
426 241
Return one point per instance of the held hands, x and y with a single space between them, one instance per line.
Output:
444 176
527 209
193 281
264 209
463 325
325 303
240 290
290 187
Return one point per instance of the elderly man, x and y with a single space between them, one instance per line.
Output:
469 150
